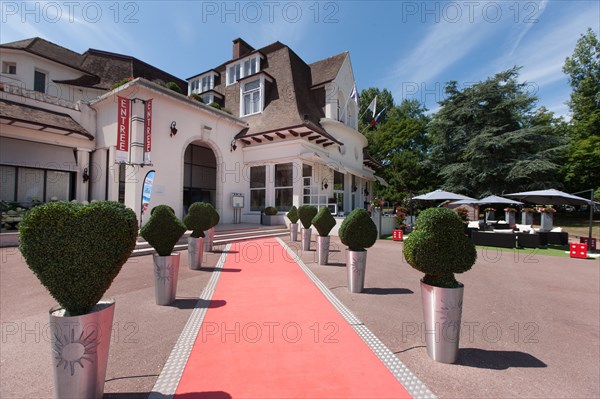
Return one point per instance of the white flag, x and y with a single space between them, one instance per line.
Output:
354 96
373 106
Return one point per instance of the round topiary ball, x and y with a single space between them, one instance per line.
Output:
270 211
358 230
439 247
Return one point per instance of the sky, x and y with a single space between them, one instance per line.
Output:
412 48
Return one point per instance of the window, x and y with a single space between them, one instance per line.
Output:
208 83
28 184
242 69
251 98
208 98
307 183
258 179
338 189
284 190
9 68
39 81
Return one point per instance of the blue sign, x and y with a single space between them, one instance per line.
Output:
147 190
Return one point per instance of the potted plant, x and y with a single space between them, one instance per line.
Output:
357 232
323 222
527 216
398 232
210 233
269 216
490 213
292 215
439 248
510 215
162 231
306 213
199 218
76 251
547 221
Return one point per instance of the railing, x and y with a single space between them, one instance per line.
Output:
36 95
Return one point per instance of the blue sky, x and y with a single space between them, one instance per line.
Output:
409 47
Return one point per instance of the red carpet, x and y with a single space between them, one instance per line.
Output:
277 336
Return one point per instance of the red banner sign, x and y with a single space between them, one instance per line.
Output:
148 131
123 113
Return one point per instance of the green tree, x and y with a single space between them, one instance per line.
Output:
582 169
488 139
384 100
401 145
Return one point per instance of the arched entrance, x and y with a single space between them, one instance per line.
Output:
199 175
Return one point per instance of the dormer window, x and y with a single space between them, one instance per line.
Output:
241 69
203 83
252 93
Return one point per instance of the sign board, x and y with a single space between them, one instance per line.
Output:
237 200
147 190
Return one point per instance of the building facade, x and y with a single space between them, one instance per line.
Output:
278 131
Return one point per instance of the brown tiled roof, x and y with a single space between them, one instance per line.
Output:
326 70
370 161
16 112
102 69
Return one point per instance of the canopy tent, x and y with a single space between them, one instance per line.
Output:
555 197
441 195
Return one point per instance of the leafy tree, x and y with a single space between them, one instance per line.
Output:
488 139
384 99
582 169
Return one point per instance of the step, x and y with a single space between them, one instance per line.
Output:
221 238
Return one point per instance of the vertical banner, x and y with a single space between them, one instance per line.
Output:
147 190
148 131
123 113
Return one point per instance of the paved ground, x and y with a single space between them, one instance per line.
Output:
530 324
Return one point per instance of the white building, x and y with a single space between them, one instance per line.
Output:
286 135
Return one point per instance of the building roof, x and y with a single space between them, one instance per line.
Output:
101 69
324 71
13 113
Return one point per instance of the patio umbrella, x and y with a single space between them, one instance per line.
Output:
555 197
441 195
494 199
550 197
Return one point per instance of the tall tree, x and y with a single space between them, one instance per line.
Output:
487 139
582 169
384 100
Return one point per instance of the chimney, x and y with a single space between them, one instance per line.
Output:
241 48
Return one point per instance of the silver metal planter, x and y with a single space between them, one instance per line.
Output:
442 310
80 346
527 218
323 249
306 235
356 265
209 238
294 232
196 251
547 222
166 270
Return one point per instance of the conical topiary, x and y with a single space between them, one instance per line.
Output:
439 247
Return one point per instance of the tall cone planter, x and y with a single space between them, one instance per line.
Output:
358 231
166 271
356 266
209 238
442 311
80 346
323 249
439 248
306 235
196 247
294 231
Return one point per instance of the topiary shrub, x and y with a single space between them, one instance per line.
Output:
171 209
76 250
306 213
270 210
293 214
439 248
324 221
163 230
358 231
200 217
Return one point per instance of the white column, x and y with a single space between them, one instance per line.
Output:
298 183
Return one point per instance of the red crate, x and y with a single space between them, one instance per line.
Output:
591 244
397 235
578 250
